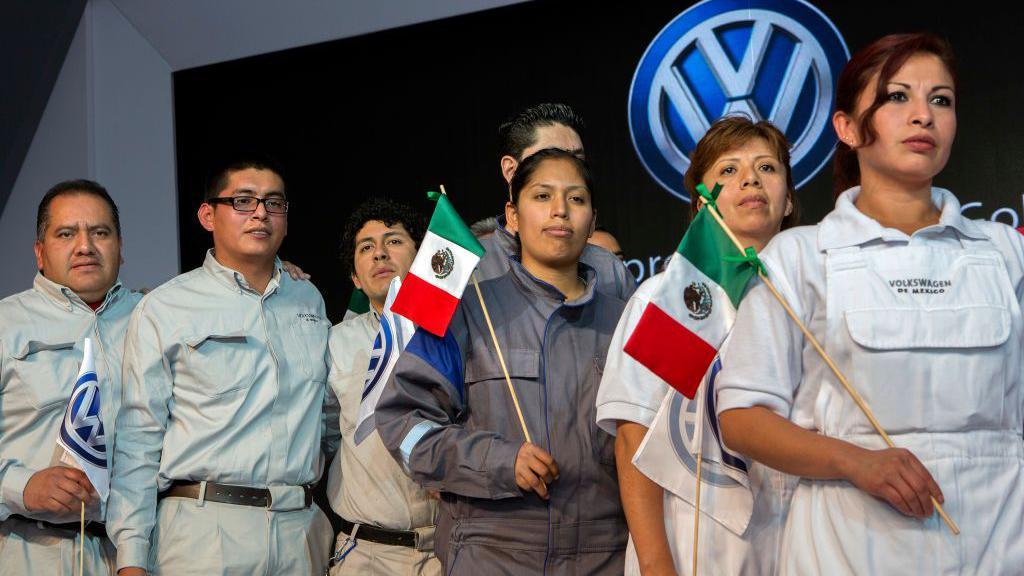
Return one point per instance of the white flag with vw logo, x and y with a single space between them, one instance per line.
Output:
81 430
394 333
680 429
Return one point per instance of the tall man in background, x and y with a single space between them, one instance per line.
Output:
546 126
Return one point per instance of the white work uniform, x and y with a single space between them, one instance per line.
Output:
632 393
927 328
365 485
222 384
41 336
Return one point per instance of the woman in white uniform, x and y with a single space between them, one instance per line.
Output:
751 161
920 309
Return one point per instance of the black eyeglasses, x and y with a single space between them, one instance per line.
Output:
251 203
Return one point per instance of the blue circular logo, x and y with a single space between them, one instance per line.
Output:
775 60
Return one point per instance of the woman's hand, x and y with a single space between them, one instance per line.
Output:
893 475
897 477
535 469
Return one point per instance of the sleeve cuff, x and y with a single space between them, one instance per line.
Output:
609 413
13 491
501 461
730 400
133 553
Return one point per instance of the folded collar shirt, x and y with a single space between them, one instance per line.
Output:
41 337
222 383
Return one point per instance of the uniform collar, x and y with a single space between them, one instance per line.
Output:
67 298
233 279
505 238
534 285
847 226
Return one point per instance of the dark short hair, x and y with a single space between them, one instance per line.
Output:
729 133
530 165
484 226
219 180
519 133
68 187
379 209
884 56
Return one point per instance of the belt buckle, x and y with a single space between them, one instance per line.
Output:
270 500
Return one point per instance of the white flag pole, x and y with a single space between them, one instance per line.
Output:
81 545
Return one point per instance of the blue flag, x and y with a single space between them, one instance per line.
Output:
81 430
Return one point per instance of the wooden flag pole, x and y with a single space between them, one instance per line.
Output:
501 360
832 366
81 544
501 357
696 504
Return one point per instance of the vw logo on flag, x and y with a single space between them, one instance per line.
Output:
82 430
683 422
775 60
380 357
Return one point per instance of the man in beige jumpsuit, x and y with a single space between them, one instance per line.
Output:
75 295
387 519
224 379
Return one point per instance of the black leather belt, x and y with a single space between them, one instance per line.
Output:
227 494
405 538
92 528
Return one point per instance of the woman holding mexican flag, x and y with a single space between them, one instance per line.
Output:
750 161
512 503
920 309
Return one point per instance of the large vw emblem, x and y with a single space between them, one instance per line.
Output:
775 60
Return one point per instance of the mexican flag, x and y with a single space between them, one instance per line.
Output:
692 312
446 258
358 304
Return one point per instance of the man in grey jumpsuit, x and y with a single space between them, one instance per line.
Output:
547 126
446 415
75 295
224 379
387 519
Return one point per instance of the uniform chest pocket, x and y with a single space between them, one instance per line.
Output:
977 326
488 400
219 363
932 369
46 371
308 350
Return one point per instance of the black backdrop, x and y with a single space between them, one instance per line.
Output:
401 111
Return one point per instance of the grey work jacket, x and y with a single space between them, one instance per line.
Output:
448 418
613 278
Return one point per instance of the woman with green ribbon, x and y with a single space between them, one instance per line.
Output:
740 168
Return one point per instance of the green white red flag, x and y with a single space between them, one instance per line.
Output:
446 259
693 310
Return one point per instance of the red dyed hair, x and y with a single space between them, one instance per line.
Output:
885 57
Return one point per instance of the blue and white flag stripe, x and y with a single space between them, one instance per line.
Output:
394 333
81 430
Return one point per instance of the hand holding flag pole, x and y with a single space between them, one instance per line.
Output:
82 437
709 198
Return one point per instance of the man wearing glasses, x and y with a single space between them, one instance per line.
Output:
224 379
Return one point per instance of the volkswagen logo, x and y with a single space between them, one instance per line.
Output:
775 60
683 422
